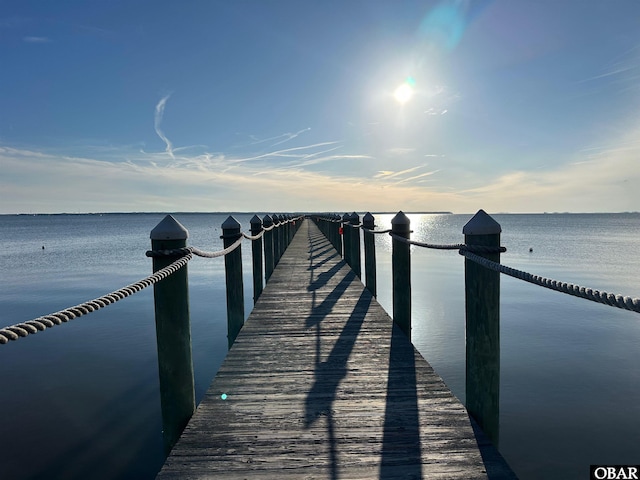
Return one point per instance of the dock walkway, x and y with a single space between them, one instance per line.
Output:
320 384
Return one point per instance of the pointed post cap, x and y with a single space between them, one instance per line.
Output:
267 221
400 224
230 223
169 229
368 221
481 224
355 218
256 224
400 219
345 217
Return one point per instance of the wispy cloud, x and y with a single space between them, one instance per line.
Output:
158 121
329 158
279 139
435 111
386 174
30 39
601 178
623 70
290 136
294 152
401 150
415 177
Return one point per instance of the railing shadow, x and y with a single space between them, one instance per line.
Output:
401 449
330 372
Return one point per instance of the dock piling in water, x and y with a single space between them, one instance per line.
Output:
401 272
267 222
482 308
256 255
368 223
233 275
173 334
354 221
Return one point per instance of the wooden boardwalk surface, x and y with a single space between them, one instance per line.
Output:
320 384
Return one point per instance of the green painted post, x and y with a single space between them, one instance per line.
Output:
233 276
173 334
267 222
368 222
401 272
276 240
355 244
482 307
256 255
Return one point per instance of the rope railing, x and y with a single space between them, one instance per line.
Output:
471 252
39 324
613 300
455 246
219 253
19 330
253 237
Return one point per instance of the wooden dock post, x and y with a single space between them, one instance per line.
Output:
173 334
283 238
267 222
368 222
233 275
346 238
289 228
482 307
334 229
256 255
285 232
356 261
401 272
276 239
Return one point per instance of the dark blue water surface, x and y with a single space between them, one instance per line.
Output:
81 400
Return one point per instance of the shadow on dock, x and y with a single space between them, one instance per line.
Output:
401 437
329 373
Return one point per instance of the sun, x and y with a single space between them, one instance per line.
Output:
404 92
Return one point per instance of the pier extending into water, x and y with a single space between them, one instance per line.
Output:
321 383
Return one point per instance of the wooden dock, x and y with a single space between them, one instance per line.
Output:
320 384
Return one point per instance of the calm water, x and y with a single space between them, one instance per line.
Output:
82 400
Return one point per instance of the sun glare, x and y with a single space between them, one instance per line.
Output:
404 92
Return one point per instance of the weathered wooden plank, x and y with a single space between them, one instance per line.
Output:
320 383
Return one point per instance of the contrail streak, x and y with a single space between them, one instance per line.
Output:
158 120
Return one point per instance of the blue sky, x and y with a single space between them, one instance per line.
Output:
509 105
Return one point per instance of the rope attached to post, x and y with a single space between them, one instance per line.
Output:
13 332
456 246
626 303
23 329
